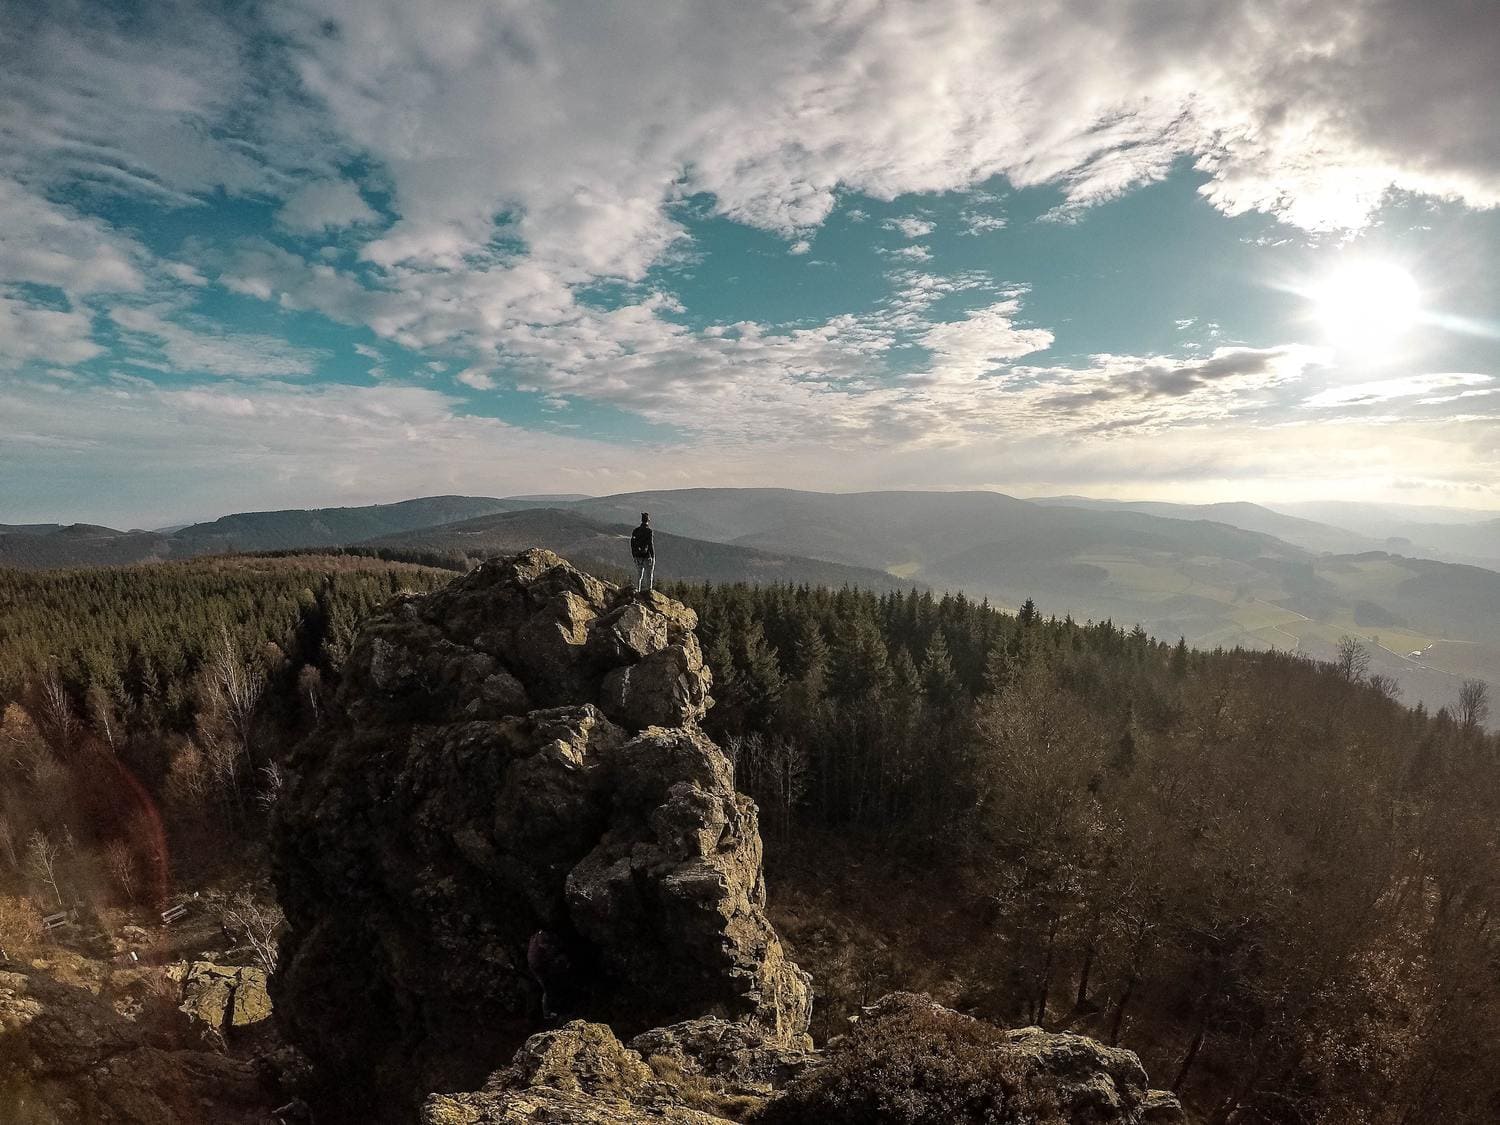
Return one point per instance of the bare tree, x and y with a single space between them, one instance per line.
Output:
8 843
226 721
273 782
1473 704
54 713
106 721
1353 659
239 688
120 861
42 857
246 916
772 770
310 688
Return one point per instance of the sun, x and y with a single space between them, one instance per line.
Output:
1367 306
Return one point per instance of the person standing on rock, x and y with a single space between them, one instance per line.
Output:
644 553
551 969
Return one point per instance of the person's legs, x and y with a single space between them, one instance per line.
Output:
649 573
640 575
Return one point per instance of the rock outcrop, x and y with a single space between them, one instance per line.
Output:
83 1042
510 810
709 1072
222 996
694 1073
910 1061
514 763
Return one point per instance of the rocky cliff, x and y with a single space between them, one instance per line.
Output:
511 819
513 764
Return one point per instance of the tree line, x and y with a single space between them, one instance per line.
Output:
1260 870
143 711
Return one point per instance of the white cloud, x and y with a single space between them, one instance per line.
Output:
906 253
31 332
910 226
324 205
477 379
1433 388
153 340
977 223
982 340
801 246
47 244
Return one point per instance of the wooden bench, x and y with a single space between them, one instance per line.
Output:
172 914
56 921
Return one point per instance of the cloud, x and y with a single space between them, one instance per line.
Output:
325 205
910 226
153 340
477 379
977 223
31 332
1124 391
1432 389
906 253
45 243
982 340
202 450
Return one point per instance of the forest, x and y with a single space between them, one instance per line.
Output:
1262 872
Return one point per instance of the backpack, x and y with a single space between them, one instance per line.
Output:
640 542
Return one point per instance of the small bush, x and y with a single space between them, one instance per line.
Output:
913 1064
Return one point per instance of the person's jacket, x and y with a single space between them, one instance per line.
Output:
640 543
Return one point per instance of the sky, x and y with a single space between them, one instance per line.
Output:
319 252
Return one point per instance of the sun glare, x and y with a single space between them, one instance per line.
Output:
1367 306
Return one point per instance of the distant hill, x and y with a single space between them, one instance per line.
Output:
48 547
327 527
1465 535
1306 533
604 547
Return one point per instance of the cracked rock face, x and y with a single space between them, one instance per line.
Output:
512 756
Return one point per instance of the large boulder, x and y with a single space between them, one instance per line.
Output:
513 763
222 996
910 1061
695 1073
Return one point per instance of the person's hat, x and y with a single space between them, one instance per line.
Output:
645 517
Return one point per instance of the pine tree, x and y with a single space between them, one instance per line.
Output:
940 683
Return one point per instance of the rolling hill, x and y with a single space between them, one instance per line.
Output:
1308 534
1465 535
327 527
605 548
